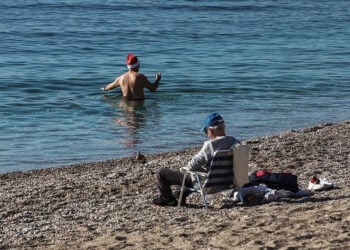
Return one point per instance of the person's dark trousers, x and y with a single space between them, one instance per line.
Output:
167 177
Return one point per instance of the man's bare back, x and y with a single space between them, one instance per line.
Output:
132 83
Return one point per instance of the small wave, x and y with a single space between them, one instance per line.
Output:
33 90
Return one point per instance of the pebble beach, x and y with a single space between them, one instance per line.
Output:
108 204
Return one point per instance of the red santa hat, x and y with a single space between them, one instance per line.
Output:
132 62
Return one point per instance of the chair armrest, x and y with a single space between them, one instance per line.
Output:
199 173
185 170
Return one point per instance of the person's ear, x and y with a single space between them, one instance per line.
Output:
210 132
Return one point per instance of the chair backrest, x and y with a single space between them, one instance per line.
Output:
240 164
220 175
228 169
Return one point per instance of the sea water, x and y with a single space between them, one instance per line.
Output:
266 66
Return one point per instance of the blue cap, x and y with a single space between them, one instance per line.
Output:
212 120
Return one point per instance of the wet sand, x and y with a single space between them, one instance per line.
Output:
107 205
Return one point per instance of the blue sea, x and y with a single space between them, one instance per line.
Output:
266 66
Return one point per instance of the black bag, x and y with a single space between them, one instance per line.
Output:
286 181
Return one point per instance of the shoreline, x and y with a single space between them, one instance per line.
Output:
108 203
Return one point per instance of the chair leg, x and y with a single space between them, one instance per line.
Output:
204 199
240 195
202 192
182 190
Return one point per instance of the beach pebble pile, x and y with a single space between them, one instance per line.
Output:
108 204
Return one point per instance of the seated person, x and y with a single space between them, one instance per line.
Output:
214 127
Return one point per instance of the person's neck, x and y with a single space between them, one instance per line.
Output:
218 135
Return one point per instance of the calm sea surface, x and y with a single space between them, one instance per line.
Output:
266 66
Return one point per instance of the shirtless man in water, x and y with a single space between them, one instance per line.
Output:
132 82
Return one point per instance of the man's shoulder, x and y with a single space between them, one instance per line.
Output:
224 142
235 141
226 138
140 75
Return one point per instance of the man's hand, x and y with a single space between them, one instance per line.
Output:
103 88
158 77
183 170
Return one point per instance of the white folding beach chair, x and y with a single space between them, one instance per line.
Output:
228 170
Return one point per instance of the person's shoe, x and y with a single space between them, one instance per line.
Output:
319 184
326 184
315 184
161 201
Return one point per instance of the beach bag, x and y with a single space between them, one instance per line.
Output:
278 181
